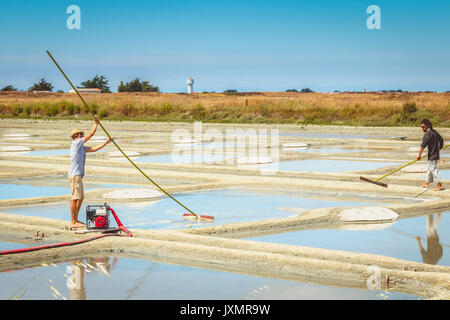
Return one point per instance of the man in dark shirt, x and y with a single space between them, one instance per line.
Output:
434 142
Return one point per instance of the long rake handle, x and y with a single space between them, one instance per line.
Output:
131 161
425 156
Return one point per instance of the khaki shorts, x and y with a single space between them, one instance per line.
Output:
76 184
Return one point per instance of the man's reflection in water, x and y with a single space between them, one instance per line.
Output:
75 282
434 248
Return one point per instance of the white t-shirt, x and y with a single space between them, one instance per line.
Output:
77 158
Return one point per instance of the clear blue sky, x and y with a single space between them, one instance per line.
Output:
230 44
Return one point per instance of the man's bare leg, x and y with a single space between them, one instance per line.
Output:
79 202
75 206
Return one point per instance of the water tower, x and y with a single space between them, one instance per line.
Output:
190 84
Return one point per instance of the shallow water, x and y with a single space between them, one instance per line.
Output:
144 279
328 135
55 152
107 278
50 152
29 188
322 165
215 156
226 205
316 165
445 174
326 150
397 240
13 191
187 158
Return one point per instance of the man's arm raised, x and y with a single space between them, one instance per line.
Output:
98 147
93 130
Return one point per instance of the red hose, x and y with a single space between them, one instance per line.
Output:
121 226
55 245
71 243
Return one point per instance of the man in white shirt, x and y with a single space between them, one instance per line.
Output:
76 170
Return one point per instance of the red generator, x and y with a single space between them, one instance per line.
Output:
97 216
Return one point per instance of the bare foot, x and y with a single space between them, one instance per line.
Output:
77 224
438 188
426 185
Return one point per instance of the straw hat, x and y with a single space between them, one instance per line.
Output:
76 131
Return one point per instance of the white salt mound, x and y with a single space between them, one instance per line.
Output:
98 138
415 168
132 193
14 148
142 204
295 145
364 226
368 214
254 160
16 135
128 153
185 141
413 149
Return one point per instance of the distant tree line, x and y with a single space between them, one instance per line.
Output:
305 90
9 88
137 85
98 82
230 91
41 85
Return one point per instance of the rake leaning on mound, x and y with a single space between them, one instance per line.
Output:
76 170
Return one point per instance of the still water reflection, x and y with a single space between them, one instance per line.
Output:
422 239
132 279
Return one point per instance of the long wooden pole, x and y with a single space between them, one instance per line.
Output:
131 161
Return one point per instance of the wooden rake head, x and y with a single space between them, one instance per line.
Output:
374 182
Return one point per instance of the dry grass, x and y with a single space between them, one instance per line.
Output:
369 109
